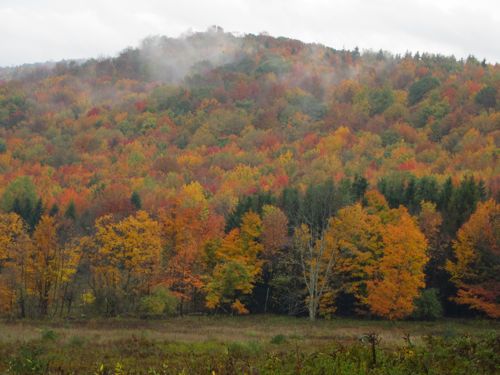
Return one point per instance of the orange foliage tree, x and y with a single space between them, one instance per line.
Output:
274 238
399 275
186 228
274 231
476 267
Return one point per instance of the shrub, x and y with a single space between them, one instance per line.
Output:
77 342
160 302
428 306
49 335
278 339
244 350
29 360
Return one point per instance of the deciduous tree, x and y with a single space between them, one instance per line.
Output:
399 275
124 258
187 226
237 266
476 267
14 246
53 264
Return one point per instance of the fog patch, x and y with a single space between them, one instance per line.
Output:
172 59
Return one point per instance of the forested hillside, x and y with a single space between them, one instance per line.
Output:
219 173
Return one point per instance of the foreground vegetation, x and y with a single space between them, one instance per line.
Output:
251 345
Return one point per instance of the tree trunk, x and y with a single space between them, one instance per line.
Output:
312 309
22 305
44 306
267 298
70 304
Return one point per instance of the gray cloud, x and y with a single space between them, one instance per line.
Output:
34 31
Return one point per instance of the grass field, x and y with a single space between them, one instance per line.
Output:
246 328
251 344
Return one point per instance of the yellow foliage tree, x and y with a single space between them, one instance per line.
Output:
237 266
360 246
45 261
124 257
322 261
52 264
38 266
13 263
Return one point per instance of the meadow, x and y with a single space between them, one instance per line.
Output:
249 345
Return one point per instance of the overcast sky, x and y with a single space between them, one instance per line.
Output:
38 30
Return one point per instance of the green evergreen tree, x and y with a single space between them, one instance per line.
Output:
320 202
410 196
427 189
445 194
290 203
54 210
23 189
136 200
36 215
487 97
359 186
253 203
71 211
420 88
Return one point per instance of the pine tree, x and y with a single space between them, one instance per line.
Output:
54 210
70 211
36 215
135 199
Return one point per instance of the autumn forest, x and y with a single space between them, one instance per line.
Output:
229 175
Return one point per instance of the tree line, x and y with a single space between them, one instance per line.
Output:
407 249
